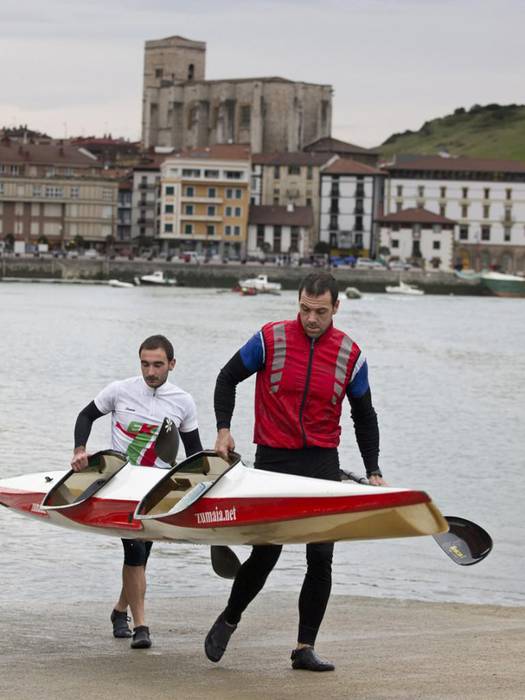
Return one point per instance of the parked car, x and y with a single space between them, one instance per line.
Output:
400 265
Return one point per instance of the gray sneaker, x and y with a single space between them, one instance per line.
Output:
217 638
120 624
141 638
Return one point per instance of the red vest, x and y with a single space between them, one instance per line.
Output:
300 390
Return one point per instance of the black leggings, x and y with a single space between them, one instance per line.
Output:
317 584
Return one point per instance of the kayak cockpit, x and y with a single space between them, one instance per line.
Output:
184 484
76 487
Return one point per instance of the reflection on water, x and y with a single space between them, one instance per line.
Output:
447 377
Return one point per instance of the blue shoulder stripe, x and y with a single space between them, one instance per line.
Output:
252 353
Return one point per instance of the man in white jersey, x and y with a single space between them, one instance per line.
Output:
138 406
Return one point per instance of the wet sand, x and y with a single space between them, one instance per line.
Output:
383 649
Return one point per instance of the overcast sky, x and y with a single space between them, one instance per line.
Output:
75 68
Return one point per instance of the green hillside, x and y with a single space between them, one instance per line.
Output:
492 131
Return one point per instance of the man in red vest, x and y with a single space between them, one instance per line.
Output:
305 368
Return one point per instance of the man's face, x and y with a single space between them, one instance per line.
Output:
155 367
316 313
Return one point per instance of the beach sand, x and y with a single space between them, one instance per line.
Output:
383 649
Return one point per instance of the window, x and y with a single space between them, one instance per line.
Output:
53 191
158 72
168 208
276 201
508 214
309 172
74 192
191 172
508 194
168 228
238 194
238 211
107 195
245 117
442 192
233 174
229 193
236 230
486 211
333 222
37 190
399 190
395 243
228 211
210 230
506 234
421 191
294 239
260 236
212 192
308 201
191 71
358 223
436 245
399 206
170 190
294 170
277 239
19 208
211 210
188 228
486 193
485 233
442 209
190 191
464 211
276 172
212 174
463 233
464 192
228 230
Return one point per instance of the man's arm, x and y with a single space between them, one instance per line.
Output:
85 420
192 442
249 359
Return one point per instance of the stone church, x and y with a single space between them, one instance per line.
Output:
181 109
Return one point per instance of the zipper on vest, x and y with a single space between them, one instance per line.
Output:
305 394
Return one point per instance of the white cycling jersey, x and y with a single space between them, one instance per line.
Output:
137 414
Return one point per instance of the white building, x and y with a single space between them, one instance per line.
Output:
279 230
351 198
485 196
418 236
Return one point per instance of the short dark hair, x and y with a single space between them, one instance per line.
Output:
154 342
317 283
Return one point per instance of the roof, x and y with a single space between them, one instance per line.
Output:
292 158
219 151
347 166
415 216
456 164
328 144
281 216
264 79
46 154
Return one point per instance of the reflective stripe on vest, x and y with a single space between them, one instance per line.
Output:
341 365
279 356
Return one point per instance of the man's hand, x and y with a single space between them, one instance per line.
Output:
224 444
80 459
376 480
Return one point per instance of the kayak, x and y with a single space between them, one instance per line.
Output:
206 499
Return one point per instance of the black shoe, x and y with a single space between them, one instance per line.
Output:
120 624
217 638
307 660
141 638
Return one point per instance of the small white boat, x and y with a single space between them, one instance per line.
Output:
119 284
157 278
261 285
404 288
353 293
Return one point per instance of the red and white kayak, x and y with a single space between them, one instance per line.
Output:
207 500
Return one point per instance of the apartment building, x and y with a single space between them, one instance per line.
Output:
55 194
418 235
351 200
485 196
279 231
204 201
145 198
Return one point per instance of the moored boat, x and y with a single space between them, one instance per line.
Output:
353 293
404 288
156 279
503 285
261 285
119 284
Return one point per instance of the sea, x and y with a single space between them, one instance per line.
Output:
447 375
